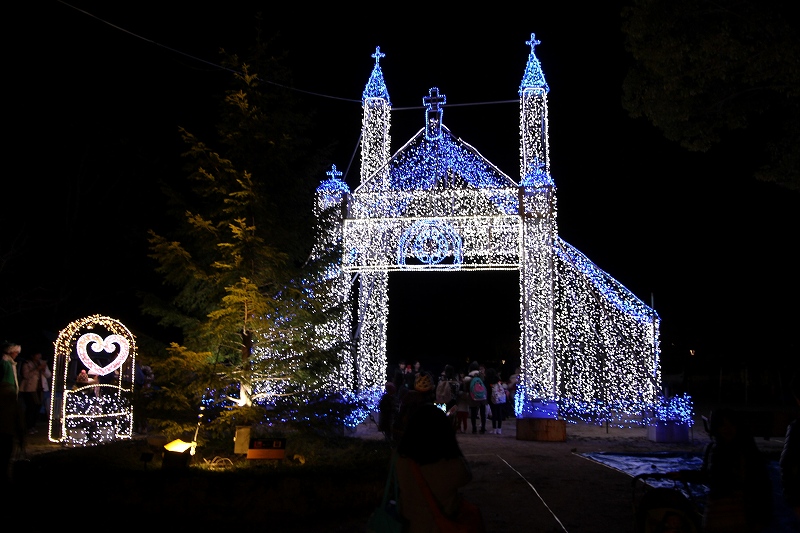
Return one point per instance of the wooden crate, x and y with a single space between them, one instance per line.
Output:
267 449
541 429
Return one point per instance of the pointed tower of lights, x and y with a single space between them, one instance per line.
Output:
533 114
537 209
375 140
333 289
373 297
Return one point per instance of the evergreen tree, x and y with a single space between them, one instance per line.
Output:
242 294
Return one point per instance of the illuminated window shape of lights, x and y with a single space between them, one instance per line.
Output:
431 242
101 411
589 347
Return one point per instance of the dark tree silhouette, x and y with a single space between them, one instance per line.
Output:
723 72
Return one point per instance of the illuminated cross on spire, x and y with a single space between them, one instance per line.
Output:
333 173
533 77
433 99
433 113
533 42
378 55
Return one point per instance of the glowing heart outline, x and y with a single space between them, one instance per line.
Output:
98 345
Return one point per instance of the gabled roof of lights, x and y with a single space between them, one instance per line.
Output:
443 163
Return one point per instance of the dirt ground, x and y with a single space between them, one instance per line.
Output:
537 486
550 487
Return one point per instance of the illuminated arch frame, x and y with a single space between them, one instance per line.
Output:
589 347
97 413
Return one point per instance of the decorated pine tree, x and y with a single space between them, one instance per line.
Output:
239 283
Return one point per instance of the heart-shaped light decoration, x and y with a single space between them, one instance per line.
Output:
100 344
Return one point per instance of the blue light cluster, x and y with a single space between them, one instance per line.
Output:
376 86
533 78
431 242
610 288
445 163
678 409
331 191
537 177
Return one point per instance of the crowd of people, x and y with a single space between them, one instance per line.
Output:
471 398
735 471
421 413
25 383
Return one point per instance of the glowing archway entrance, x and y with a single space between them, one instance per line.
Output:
588 346
97 408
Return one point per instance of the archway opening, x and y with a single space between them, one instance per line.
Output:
454 317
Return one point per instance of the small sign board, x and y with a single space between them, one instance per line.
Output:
267 448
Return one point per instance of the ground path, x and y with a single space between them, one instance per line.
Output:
545 487
551 487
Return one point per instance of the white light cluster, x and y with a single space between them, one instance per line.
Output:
589 347
86 415
606 345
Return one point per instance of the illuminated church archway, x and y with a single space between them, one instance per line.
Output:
93 380
589 347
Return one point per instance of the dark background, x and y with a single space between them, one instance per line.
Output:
98 90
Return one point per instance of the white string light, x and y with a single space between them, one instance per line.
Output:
96 413
589 347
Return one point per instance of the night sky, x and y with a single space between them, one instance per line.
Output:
102 87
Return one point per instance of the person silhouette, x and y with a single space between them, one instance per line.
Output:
12 424
789 462
430 443
477 408
32 373
736 474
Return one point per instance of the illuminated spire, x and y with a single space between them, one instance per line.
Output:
376 87
534 142
332 190
533 77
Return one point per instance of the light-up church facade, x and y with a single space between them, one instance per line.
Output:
589 347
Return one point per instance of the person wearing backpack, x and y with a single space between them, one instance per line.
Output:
474 383
497 399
